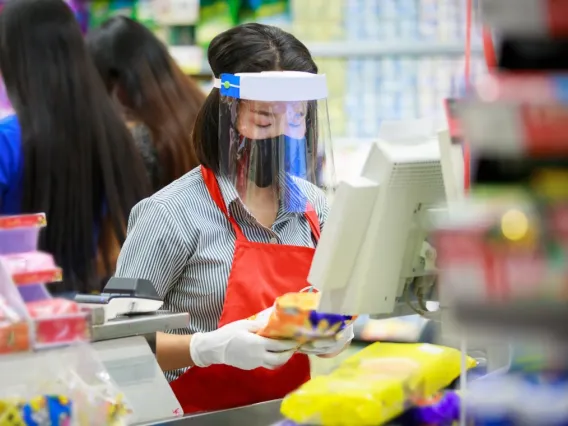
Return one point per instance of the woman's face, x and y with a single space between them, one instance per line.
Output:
263 120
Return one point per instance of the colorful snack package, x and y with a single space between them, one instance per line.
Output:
47 410
375 385
442 409
294 316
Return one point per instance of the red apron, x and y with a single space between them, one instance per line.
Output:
259 274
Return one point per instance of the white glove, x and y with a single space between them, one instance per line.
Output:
330 346
237 345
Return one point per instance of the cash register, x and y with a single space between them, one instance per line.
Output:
124 297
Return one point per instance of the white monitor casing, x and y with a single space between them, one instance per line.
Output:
374 235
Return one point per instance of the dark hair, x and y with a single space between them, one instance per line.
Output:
245 48
80 163
152 88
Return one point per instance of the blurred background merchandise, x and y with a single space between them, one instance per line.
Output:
385 59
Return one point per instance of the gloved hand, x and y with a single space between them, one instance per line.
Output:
332 346
236 344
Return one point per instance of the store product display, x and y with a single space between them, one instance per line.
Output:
41 321
375 386
385 83
76 389
508 241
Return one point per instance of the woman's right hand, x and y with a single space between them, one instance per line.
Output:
236 344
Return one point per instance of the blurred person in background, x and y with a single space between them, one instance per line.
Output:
160 103
66 151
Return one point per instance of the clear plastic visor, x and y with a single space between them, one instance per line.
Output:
278 155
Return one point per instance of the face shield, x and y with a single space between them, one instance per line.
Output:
274 138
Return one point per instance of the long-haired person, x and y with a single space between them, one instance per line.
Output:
159 101
66 151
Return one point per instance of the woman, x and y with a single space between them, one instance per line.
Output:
160 102
212 248
66 152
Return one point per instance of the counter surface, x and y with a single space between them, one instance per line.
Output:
264 414
138 325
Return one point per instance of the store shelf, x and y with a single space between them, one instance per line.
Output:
355 49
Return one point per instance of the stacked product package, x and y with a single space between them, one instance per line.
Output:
504 252
67 383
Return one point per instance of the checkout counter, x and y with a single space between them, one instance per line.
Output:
263 414
124 345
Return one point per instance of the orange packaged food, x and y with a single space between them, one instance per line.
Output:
295 316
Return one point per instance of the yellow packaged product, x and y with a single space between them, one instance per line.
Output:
295 316
375 385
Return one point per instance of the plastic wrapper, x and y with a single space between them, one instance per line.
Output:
375 385
64 387
295 316
442 409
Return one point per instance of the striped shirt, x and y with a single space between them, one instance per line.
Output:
181 241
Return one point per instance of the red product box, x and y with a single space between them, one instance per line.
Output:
23 221
58 322
61 331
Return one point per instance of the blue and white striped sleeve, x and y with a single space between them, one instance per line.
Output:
154 248
321 206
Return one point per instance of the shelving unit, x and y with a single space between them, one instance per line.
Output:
352 49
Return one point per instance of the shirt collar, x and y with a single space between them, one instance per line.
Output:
293 202
228 191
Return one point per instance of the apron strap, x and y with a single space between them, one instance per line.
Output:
313 220
213 187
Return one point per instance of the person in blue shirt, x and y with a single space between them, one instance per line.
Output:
10 166
66 151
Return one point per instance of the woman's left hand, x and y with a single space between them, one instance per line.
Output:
329 347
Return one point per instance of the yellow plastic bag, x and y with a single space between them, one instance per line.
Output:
375 385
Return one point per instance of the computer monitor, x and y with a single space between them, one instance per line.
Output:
373 244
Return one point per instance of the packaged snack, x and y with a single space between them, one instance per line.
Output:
47 410
375 385
10 414
294 316
442 409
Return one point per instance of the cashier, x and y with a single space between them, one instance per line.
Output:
230 236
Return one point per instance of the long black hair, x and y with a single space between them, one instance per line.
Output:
139 70
80 163
245 48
